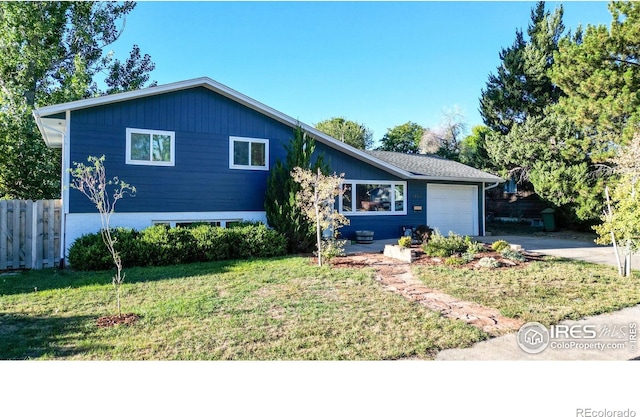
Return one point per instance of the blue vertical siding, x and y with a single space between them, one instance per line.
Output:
201 179
383 226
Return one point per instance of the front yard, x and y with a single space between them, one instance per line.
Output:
282 309
547 291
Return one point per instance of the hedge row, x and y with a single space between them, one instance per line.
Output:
161 245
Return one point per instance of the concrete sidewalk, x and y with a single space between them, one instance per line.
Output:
506 347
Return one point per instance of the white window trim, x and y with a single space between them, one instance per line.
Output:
130 161
233 139
375 213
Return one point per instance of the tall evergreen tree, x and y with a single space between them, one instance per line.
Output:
599 70
529 139
283 214
522 86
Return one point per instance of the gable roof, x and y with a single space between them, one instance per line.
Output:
433 166
52 123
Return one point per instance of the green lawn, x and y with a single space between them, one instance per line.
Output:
248 310
546 292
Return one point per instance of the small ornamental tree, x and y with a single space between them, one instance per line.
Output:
91 180
621 222
316 198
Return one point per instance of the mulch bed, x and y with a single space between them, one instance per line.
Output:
424 260
109 321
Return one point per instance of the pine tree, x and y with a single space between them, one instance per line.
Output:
280 199
522 86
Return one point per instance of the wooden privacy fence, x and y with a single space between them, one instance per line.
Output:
29 234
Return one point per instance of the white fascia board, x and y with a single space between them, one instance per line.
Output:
457 179
114 98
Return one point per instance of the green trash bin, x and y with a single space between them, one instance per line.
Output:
548 220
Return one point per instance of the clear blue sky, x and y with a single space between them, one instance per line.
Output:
378 63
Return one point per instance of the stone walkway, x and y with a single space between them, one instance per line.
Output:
396 276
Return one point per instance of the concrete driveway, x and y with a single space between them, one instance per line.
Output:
565 248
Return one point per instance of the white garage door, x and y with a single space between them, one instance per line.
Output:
453 208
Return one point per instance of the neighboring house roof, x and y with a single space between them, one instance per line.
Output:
51 121
433 166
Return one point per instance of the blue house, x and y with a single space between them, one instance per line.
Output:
198 151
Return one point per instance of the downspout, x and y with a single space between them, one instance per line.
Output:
66 164
491 186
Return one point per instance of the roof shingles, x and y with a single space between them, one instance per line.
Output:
433 166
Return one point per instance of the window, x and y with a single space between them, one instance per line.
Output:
248 153
188 223
379 198
150 147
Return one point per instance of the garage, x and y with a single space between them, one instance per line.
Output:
453 208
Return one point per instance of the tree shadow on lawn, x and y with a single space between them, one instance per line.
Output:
49 279
23 337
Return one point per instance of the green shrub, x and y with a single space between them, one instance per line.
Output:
210 242
499 245
261 242
468 256
454 261
156 245
161 245
405 241
442 246
332 248
89 253
474 246
513 255
488 263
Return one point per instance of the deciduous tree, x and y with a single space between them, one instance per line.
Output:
316 198
347 131
445 139
473 149
52 52
620 221
91 180
403 138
